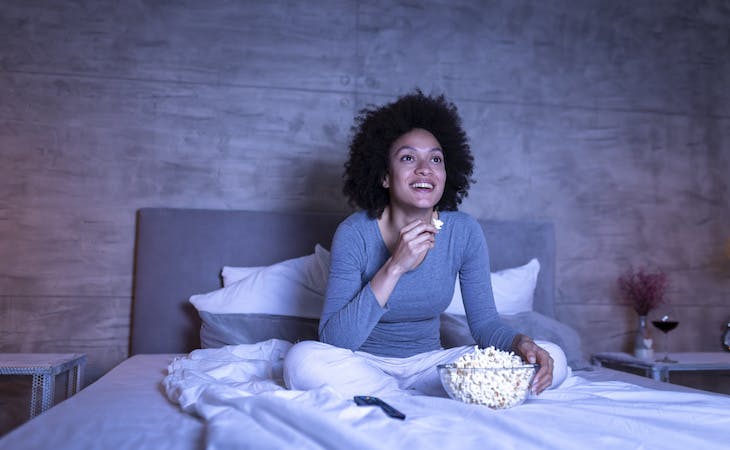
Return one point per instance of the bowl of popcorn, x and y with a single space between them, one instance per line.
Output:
489 377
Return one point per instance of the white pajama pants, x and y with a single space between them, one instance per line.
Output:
312 364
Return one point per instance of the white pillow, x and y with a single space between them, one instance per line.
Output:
316 267
513 289
232 274
294 287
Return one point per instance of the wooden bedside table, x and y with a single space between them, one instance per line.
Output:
686 362
44 367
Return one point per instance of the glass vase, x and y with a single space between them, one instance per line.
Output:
643 344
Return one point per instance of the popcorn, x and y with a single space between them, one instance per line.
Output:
497 389
488 357
437 223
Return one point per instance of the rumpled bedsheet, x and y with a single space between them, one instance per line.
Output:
239 392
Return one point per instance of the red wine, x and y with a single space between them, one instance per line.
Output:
666 325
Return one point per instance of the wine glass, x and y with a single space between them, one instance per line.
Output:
665 322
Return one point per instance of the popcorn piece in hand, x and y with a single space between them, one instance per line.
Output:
437 223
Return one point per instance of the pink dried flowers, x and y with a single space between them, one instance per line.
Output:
644 290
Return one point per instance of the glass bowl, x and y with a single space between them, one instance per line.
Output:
496 387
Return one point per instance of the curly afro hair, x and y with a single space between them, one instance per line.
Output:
376 129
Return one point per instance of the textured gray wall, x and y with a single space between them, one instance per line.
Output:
609 117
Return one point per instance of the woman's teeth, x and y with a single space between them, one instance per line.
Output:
422 185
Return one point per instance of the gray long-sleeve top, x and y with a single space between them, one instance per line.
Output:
408 324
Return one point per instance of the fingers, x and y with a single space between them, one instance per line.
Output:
417 228
544 377
532 353
529 355
416 237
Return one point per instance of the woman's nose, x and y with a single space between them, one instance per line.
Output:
423 167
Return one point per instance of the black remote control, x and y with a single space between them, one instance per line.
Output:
367 400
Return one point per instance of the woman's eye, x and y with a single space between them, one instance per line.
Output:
407 158
437 159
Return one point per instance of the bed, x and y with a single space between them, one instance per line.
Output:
215 382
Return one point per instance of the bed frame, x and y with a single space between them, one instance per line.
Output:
180 252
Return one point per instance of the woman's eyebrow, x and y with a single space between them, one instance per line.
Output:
408 147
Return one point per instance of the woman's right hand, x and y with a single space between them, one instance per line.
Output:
414 240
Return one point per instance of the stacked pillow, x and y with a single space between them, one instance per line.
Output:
294 287
513 289
283 300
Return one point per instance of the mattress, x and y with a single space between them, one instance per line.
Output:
239 393
128 408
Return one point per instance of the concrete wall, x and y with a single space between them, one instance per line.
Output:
610 118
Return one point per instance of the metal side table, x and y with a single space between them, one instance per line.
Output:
44 367
686 362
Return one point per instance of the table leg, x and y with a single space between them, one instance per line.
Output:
70 382
45 384
660 374
75 375
37 383
49 387
80 378
665 375
656 374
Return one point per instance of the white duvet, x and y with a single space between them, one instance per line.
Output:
238 391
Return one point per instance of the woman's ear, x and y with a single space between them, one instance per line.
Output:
386 184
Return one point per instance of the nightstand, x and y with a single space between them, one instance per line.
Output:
686 362
44 367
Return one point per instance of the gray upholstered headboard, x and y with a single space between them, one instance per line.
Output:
180 252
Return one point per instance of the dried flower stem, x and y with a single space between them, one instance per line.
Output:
644 290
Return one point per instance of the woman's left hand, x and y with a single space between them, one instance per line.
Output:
532 353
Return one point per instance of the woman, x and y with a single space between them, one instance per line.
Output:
393 271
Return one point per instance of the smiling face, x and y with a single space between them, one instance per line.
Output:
416 171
